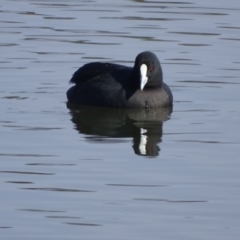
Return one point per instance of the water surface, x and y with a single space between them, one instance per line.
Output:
90 173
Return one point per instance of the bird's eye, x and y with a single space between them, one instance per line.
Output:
151 69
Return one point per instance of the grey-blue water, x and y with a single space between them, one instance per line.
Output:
115 174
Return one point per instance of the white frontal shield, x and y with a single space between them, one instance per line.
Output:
143 76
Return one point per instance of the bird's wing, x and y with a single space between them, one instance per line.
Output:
94 69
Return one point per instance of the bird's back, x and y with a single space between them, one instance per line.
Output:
93 70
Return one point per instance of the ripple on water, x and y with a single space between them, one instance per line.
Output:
93 173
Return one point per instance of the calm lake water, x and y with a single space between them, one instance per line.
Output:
93 173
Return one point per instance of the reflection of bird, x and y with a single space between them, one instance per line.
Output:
143 125
147 142
113 85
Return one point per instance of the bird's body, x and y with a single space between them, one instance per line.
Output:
114 85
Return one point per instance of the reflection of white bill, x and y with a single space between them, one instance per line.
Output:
143 142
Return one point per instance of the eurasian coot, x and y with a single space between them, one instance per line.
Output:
114 85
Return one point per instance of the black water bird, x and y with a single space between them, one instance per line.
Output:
118 86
